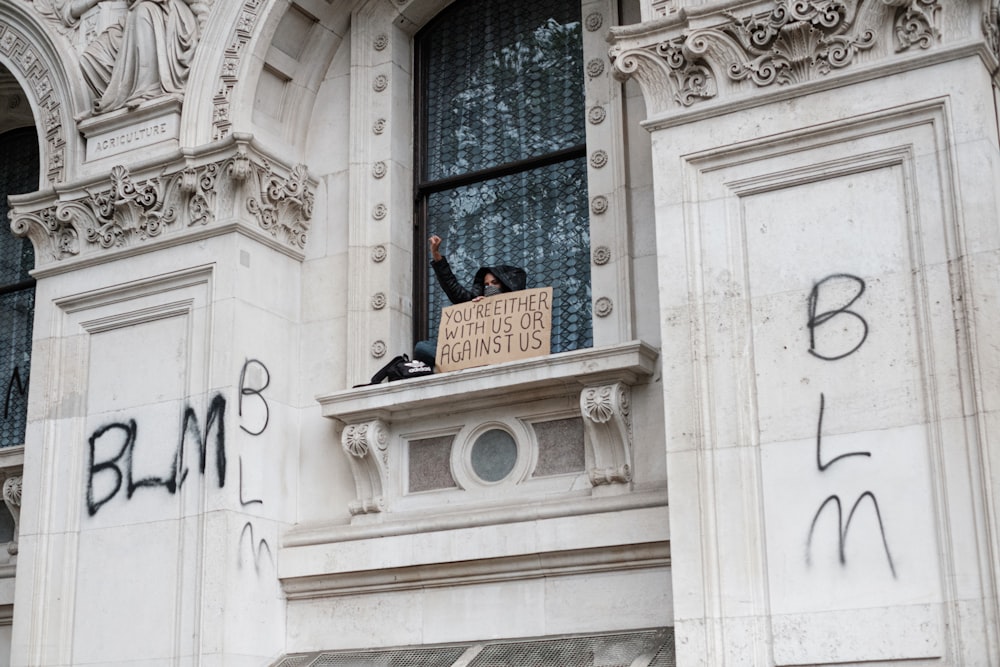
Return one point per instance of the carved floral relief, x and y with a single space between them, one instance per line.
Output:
797 41
134 211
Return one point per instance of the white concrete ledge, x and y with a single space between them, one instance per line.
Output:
565 373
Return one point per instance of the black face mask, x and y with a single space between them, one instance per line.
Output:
492 290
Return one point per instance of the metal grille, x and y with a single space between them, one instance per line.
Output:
503 170
534 219
415 657
18 173
503 84
613 650
618 650
296 661
667 655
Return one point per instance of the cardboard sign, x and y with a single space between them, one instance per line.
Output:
513 325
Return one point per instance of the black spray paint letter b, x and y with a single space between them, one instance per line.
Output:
816 320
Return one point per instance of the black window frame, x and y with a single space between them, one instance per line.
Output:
423 188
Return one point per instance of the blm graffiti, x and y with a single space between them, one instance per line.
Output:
200 447
867 500
253 393
107 476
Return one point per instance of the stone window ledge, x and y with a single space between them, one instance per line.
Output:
565 373
598 380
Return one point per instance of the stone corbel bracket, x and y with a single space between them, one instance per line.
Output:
12 498
607 419
186 198
366 446
679 61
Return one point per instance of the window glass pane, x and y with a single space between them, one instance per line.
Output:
535 219
18 173
503 83
16 311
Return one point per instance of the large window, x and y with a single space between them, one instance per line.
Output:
501 166
18 173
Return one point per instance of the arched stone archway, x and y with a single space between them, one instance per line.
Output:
41 66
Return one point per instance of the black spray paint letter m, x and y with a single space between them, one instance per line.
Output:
120 465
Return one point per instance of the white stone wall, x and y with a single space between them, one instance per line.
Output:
186 268
817 259
797 283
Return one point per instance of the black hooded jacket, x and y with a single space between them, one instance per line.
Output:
511 279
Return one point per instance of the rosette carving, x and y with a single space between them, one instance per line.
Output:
366 445
607 415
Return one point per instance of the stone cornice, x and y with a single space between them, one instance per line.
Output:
683 61
138 209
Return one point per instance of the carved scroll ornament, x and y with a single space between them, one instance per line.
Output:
134 211
797 41
12 498
366 446
607 415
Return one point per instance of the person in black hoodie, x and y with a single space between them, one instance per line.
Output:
488 281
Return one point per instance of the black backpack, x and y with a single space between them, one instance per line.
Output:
400 368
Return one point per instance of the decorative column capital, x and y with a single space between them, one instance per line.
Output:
795 42
130 211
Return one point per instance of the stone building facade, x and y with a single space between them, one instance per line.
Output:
765 435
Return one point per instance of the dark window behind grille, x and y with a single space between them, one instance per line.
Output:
502 174
18 173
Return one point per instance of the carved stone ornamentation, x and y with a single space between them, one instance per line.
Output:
917 25
143 53
366 445
599 205
797 41
379 253
54 229
283 206
132 211
378 127
991 28
12 498
594 21
602 255
595 68
378 300
606 414
25 62
222 125
603 307
379 349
